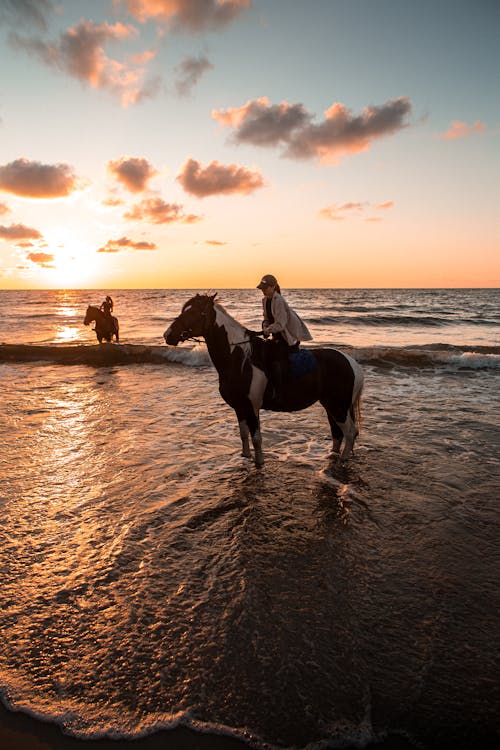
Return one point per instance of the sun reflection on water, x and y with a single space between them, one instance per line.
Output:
67 311
64 334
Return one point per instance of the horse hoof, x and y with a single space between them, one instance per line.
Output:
259 462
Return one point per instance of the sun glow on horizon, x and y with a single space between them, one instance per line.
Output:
157 165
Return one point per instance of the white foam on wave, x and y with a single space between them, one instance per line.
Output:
425 357
191 357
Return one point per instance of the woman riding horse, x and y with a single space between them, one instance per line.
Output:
106 326
332 378
284 327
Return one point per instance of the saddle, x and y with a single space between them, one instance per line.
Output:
301 363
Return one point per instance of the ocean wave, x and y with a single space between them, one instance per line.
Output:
449 358
104 355
424 321
437 356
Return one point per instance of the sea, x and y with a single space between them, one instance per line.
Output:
152 577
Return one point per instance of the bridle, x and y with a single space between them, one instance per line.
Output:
186 335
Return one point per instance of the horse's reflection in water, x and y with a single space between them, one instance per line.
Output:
336 380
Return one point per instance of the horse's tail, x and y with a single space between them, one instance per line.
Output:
357 394
356 409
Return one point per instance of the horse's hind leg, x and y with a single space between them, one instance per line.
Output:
350 431
337 434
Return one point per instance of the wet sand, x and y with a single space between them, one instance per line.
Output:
19 731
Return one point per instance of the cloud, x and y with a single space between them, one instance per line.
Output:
41 259
217 179
79 52
262 124
191 15
290 125
4 209
215 243
189 71
339 212
25 12
19 232
133 173
115 246
156 211
460 129
112 200
31 179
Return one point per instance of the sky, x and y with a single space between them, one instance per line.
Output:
205 143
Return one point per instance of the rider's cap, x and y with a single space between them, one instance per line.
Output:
267 280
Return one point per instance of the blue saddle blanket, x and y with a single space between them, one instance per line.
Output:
301 363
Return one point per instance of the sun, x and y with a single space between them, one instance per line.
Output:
72 265
70 270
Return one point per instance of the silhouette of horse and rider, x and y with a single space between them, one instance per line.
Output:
273 374
247 378
106 324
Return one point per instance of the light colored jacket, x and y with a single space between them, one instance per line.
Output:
286 321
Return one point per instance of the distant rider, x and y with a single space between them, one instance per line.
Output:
107 306
283 325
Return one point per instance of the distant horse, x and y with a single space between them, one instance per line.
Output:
106 326
333 378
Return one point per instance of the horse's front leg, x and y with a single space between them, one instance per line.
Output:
245 438
249 424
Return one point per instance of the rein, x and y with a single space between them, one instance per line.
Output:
250 334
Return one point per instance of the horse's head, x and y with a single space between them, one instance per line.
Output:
196 316
88 316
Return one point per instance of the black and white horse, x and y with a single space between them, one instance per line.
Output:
106 326
334 379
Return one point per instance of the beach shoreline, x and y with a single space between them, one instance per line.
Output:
19 731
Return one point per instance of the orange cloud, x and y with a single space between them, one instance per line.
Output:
19 232
460 129
4 209
31 179
262 124
133 173
337 212
290 125
217 179
156 211
112 200
41 259
115 246
79 52
215 243
194 15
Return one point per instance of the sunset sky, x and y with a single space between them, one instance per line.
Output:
203 143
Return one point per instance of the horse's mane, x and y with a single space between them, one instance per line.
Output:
217 305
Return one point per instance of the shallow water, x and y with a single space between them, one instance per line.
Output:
152 576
